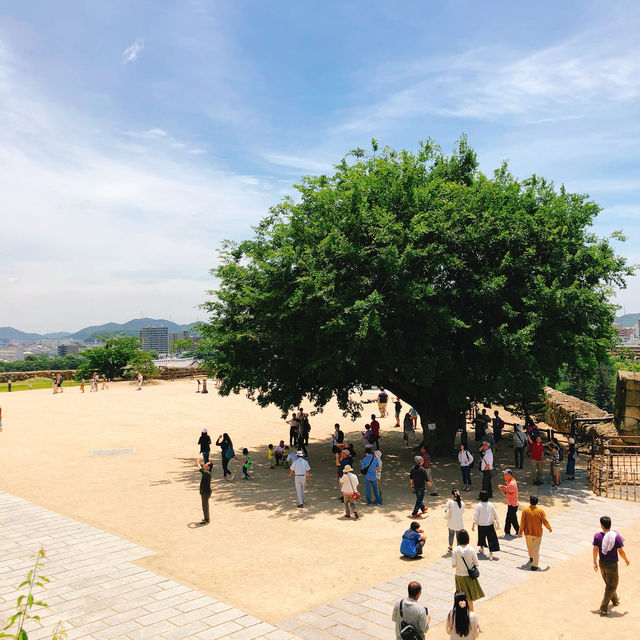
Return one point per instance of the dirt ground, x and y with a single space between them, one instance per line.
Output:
259 548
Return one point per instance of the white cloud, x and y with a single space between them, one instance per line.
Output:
585 74
96 227
131 52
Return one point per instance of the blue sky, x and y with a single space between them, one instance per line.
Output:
134 137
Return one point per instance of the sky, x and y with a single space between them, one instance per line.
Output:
136 136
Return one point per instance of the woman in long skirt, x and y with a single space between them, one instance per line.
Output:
462 554
485 517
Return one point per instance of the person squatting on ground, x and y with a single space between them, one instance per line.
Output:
408 612
413 540
607 544
464 560
465 458
205 446
485 517
300 471
510 490
453 510
462 624
369 466
531 527
349 487
205 489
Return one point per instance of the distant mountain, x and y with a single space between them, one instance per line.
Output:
628 320
131 328
9 333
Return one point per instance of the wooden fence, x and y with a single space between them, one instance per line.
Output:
614 469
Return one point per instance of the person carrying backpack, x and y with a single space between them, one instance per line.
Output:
412 620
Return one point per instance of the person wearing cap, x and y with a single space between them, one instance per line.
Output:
369 465
418 479
486 466
300 471
349 487
205 489
572 455
510 490
205 446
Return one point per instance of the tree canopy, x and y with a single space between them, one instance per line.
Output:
109 358
416 272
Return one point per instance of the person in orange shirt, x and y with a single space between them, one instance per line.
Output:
510 490
531 527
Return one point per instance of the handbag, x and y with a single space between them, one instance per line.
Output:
365 471
407 631
473 571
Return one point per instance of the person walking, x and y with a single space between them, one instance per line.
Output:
554 464
510 490
519 443
607 544
463 559
465 458
537 458
369 465
426 458
485 517
397 408
414 417
462 624
486 466
572 456
531 527
349 487
407 428
453 510
294 430
408 612
418 480
227 452
301 472
378 454
497 425
205 489
481 422
383 398
205 446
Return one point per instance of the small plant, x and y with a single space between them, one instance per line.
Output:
25 604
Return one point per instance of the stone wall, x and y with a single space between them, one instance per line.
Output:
561 409
67 374
173 373
627 411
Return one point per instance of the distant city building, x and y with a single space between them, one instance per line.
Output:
155 339
181 335
68 349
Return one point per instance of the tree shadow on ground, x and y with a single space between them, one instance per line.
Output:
272 490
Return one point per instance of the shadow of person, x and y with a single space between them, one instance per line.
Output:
197 525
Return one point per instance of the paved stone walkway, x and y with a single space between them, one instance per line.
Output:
98 592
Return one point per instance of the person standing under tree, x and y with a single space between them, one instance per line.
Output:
519 443
510 490
466 460
418 480
398 408
607 544
572 456
383 398
375 431
486 466
301 472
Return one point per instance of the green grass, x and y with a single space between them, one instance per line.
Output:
36 383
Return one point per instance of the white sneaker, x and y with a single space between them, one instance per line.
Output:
233 476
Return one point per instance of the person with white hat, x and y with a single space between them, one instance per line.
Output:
572 455
349 486
300 471
205 446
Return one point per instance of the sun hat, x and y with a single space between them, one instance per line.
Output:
204 431
509 471
572 441
417 459
299 454
347 468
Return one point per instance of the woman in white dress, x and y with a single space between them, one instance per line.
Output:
453 511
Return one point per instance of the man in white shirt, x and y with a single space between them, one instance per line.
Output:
300 471
412 612
486 466
278 453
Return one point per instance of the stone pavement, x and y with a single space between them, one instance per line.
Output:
99 593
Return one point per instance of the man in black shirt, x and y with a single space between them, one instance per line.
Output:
205 489
418 479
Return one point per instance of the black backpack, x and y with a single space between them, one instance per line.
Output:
408 631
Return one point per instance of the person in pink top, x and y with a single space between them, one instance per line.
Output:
510 490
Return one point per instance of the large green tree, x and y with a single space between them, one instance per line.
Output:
109 358
416 272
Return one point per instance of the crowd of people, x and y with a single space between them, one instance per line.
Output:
489 433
